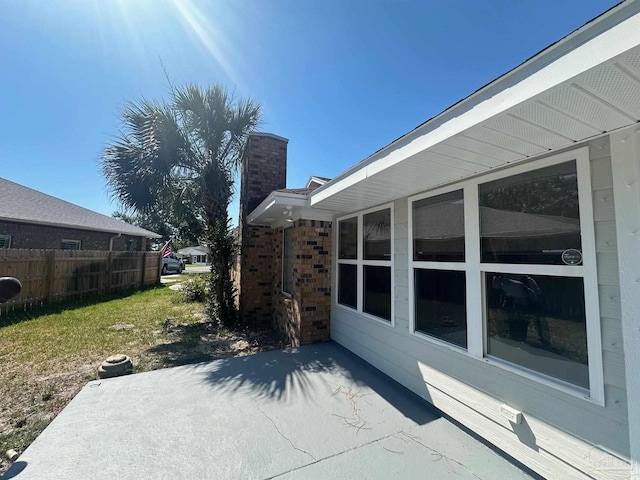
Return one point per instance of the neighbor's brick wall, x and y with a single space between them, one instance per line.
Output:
24 235
304 317
264 169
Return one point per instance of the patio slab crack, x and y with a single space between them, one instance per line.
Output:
433 451
282 434
396 435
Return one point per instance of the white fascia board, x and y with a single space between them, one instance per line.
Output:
604 47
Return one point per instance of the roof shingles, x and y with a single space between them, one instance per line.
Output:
22 204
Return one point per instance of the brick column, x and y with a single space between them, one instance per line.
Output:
264 169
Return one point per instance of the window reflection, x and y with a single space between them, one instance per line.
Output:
348 238
377 291
532 217
438 228
538 322
377 235
440 305
347 285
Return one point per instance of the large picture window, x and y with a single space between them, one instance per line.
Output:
505 267
364 263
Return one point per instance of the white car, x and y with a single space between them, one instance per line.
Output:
172 264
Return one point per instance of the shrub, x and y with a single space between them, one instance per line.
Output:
194 289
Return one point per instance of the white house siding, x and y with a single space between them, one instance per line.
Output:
625 163
562 435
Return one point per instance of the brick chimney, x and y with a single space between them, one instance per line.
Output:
264 169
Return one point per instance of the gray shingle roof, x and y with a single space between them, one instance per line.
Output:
23 204
299 191
197 250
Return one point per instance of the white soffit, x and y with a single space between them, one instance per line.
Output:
280 208
590 89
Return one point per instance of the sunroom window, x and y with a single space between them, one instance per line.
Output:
505 267
535 321
438 273
531 218
364 263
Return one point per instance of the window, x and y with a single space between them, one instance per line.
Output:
438 268
505 268
535 321
5 241
287 260
70 245
364 263
532 217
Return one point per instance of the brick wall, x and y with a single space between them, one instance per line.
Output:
304 316
24 235
264 169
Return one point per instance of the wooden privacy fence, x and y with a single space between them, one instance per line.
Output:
54 275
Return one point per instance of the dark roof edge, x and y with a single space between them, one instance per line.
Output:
141 233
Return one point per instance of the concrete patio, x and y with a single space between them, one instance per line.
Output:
312 412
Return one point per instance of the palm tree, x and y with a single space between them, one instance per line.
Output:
179 158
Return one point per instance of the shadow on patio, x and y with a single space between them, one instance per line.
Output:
310 371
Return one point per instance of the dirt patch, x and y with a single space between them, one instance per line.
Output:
31 400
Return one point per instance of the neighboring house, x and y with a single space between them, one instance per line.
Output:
197 254
32 219
488 260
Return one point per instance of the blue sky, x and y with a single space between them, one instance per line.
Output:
339 78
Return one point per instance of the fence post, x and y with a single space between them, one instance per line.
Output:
144 268
109 269
51 270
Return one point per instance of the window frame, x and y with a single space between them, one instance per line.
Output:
283 291
360 263
435 265
67 240
475 271
7 240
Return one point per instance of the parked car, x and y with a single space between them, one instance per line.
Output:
172 264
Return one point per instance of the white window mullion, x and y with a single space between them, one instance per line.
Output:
475 312
592 307
460 266
411 267
532 269
360 278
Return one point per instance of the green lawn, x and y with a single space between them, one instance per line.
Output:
46 356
